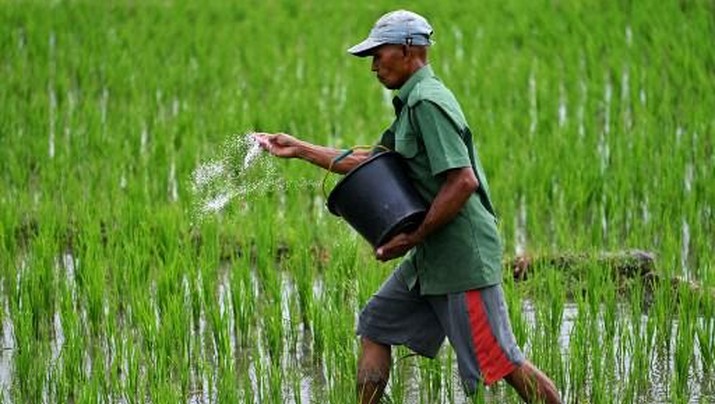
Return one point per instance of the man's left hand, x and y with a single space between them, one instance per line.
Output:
397 246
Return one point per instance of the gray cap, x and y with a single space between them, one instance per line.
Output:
395 27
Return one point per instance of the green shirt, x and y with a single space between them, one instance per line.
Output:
431 133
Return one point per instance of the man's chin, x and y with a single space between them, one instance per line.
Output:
388 86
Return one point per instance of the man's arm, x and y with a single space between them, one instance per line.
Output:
286 146
459 184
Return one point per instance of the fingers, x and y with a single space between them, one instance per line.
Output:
277 144
263 140
385 255
388 252
396 247
269 141
276 139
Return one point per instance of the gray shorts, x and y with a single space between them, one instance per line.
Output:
476 323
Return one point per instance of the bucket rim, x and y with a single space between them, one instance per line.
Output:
346 177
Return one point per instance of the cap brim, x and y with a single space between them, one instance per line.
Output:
365 48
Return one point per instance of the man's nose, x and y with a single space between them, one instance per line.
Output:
374 64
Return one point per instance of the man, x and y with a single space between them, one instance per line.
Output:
449 282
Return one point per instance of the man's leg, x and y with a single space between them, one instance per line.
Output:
395 315
478 327
533 385
373 371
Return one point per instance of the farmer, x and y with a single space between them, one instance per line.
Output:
449 282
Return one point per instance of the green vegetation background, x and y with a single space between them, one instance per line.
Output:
594 120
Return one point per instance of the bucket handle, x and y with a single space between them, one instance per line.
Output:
342 156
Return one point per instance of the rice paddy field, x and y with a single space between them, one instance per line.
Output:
122 279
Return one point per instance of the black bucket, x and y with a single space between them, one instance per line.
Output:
377 199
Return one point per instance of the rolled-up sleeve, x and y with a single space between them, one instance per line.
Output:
441 137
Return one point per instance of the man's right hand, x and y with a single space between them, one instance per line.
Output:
287 146
279 144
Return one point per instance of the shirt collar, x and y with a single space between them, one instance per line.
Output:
403 93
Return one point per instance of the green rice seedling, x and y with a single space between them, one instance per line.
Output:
31 309
292 322
634 344
30 372
479 396
144 319
579 352
91 289
449 366
72 350
318 332
99 372
553 324
173 341
301 264
115 372
134 387
368 278
90 390
512 295
220 330
269 277
340 352
684 341
227 385
653 350
296 387
195 296
11 236
273 331
246 391
431 376
36 285
340 275
663 316
538 338
259 385
611 311
162 390
401 370
612 332
244 301
599 383
275 384
706 337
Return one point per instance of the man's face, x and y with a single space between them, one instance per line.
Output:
389 62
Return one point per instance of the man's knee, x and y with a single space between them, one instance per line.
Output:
372 376
374 362
373 371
